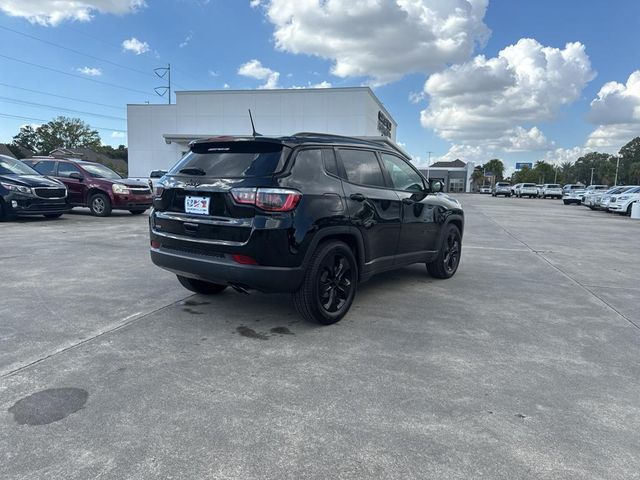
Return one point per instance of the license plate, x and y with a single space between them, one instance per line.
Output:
197 205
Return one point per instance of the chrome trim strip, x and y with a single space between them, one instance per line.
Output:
184 238
227 222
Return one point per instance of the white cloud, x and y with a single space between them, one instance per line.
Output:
255 3
323 84
255 69
562 155
381 39
186 40
52 13
213 73
616 112
226 86
90 71
118 134
485 101
134 45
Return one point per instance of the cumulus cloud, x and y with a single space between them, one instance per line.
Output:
90 71
135 46
52 13
255 69
562 155
616 112
486 100
381 39
118 134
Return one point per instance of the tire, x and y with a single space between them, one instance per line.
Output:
566 202
137 212
200 286
100 205
329 285
3 212
52 215
446 262
628 212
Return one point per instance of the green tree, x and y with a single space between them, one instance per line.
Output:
634 173
629 154
67 133
544 172
496 167
27 137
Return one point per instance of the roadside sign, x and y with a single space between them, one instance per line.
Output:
521 165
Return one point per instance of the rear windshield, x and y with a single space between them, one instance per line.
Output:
233 159
528 185
502 184
553 185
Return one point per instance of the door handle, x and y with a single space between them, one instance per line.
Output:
358 197
408 201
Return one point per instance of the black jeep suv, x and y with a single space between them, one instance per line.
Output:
309 214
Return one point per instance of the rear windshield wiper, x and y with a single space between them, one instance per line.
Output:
193 171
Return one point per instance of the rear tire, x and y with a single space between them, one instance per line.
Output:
100 205
200 286
565 202
446 262
329 285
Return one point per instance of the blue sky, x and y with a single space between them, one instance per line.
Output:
208 42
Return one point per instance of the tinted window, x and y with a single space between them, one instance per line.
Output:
362 167
100 171
402 175
66 169
45 167
233 159
330 162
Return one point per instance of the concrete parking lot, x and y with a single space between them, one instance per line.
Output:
526 364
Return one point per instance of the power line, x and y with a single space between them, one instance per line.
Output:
100 82
20 117
61 96
62 109
75 51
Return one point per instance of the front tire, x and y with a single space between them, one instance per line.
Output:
100 205
329 284
200 286
446 262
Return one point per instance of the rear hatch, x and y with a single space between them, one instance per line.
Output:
195 200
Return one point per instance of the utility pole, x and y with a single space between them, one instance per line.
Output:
615 183
555 177
163 72
591 182
429 164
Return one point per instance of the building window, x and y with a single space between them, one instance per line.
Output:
456 185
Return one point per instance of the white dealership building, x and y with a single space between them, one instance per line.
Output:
158 135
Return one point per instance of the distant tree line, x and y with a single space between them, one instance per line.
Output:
62 132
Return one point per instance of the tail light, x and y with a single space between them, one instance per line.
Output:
268 199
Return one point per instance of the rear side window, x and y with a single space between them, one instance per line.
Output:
45 168
233 159
362 167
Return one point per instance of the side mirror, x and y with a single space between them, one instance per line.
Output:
436 186
76 175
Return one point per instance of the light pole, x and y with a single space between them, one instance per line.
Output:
615 182
428 164
555 177
591 182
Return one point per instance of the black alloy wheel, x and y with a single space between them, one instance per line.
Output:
329 285
446 262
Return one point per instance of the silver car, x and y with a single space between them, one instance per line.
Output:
502 188
528 190
603 203
551 190
572 194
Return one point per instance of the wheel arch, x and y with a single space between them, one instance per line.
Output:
349 235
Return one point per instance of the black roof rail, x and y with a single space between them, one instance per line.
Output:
330 136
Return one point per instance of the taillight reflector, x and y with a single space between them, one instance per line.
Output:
155 244
244 259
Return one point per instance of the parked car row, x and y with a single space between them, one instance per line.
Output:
51 186
531 190
619 199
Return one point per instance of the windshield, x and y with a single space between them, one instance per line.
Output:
231 160
9 166
553 185
501 184
527 185
100 171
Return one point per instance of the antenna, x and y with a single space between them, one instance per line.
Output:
253 127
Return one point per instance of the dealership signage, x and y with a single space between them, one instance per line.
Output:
521 165
384 124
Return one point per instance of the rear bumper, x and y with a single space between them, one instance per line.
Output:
223 270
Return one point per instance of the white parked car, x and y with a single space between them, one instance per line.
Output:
603 202
515 188
502 188
573 194
485 189
621 203
593 188
551 190
527 190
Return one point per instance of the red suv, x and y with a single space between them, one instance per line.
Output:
95 186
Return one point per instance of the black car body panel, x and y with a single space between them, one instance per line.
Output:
26 192
385 227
